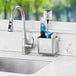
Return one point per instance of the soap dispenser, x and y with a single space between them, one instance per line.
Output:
43 28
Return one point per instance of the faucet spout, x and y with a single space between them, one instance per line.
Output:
10 26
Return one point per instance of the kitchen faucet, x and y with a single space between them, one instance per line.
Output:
26 44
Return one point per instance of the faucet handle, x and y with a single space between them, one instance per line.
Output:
10 27
29 44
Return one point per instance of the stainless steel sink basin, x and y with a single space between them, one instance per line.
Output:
21 65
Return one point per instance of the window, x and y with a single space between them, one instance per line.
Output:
33 8
64 10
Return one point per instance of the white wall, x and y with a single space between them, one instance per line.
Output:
12 41
67 34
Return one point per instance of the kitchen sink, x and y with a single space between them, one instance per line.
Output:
23 66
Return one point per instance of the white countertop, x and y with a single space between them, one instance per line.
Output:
60 66
38 58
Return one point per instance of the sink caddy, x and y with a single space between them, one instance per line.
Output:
48 46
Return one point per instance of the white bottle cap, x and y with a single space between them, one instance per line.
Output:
47 15
50 15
